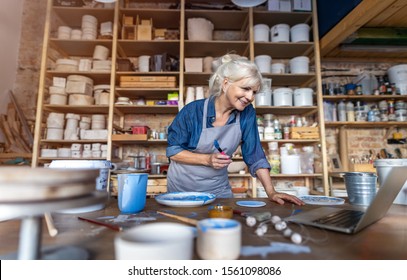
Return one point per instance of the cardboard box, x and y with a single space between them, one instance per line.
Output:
145 30
304 132
127 20
147 79
193 65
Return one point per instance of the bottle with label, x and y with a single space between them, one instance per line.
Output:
350 112
342 111
277 130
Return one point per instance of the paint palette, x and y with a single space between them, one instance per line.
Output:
185 199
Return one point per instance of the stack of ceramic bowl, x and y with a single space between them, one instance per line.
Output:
89 27
98 122
64 32
66 65
76 34
55 126
72 127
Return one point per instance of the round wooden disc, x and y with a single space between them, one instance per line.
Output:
32 184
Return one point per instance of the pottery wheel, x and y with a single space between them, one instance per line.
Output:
20 184
28 193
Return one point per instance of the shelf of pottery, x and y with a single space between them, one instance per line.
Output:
75 84
288 120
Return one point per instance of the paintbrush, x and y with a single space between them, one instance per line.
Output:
100 223
180 218
216 144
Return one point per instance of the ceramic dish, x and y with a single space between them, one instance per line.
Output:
185 199
251 203
321 200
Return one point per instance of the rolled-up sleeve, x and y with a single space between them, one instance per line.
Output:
252 150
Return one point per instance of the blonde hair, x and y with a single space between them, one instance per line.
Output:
234 69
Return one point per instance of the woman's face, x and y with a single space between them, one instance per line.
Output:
239 94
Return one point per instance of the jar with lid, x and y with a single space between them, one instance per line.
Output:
277 130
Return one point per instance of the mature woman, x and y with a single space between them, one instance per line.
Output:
228 118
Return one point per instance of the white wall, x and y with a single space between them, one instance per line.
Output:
10 26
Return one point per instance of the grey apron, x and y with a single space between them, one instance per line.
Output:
193 178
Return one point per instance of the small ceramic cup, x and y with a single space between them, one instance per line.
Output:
219 239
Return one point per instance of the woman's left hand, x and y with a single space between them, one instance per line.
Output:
280 198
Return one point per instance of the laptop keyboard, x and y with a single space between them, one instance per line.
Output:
343 218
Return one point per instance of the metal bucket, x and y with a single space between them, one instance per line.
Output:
361 187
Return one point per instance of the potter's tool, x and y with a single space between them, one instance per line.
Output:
100 223
52 230
180 218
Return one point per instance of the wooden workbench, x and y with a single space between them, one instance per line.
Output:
386 239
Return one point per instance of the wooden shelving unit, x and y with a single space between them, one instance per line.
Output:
176 17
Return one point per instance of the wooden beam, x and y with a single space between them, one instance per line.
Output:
354 20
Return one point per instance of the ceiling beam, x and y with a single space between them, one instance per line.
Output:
359 16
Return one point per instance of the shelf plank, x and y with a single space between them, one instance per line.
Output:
287 110
373 125
140 142
85 109
145 109
66 142
299 141
364 97
314 175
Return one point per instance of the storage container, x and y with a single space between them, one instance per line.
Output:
283 97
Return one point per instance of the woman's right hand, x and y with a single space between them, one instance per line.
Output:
219 161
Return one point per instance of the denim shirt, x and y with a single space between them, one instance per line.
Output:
185 130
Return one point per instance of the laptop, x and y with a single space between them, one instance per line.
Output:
355 218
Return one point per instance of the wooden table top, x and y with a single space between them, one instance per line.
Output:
386 239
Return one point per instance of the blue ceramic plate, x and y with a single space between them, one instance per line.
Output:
321 200
185 199
251 203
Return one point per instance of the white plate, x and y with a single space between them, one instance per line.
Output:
185 199
321 200
251 203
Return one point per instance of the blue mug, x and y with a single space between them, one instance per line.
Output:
132 192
